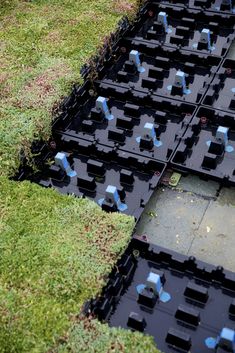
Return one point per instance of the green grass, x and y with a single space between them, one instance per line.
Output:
55 251
102 339
43 45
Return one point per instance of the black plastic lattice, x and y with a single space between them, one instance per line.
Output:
126 129
202 152
219 6
184 27
221 93
200 298
96 168
161 65
161 96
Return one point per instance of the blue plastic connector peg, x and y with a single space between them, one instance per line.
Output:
101 105
154 284
205 37
162 19
62 162
149 131
225 340
112 196
134 57
222 136
180 81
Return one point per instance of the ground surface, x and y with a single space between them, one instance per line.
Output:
55 251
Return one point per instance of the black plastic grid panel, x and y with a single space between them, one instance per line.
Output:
200 305
170 119
96 168
150 97
221 92
136 99
202 152
219 6
184 27
108 152
161 64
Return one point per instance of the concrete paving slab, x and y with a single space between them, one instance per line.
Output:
194 219
198 186
171 218
214 241
227 197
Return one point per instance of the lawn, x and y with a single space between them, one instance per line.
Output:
43 45
55 251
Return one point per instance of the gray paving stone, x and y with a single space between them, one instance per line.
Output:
171 218
193 220
214 241
198 186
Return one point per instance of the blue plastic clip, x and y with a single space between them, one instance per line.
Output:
134 57
111 196
149 131
222 136
180 82
62 162
101 105
154 283
205 37
226 340
162 19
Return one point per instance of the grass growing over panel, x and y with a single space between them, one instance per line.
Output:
43 45
90 336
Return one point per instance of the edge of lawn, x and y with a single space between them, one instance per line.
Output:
56 253
43 46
